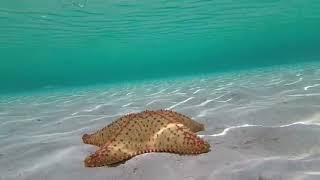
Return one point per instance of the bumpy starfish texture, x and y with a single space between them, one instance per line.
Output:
107 133
149 131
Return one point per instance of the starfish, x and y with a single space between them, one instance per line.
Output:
148 131
102 136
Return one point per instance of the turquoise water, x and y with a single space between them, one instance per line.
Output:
248 70
62 43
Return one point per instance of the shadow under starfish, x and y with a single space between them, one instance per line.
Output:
148 131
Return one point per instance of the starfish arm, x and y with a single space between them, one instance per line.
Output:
180 118
96 139
177 138
102 136
107 155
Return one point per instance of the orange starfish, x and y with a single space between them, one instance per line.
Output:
148 131
101 137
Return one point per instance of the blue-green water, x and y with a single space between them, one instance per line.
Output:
80 42
242 68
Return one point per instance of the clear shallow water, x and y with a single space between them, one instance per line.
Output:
79 42
262 123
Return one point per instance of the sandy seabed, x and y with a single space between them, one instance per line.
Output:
262 124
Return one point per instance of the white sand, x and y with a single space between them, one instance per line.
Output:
262 124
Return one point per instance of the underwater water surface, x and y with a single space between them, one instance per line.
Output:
82 42
248 70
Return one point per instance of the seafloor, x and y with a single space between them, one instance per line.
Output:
262 124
